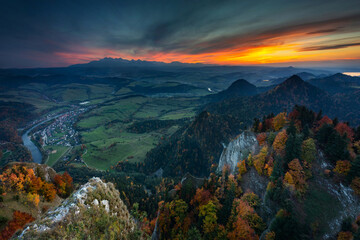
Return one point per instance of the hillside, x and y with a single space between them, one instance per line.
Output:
27 190
94 211
295 187
202 139
238 88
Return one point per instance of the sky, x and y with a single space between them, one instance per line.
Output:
52 33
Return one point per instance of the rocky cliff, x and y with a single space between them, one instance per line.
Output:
237 150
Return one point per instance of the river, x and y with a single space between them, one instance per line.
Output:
34 150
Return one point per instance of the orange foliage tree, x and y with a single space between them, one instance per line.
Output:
345 236
295 176
63 184
20 219
261 138
324 120
24 181
280 142
279 121
343 128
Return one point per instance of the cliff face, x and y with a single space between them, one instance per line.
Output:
237 150
95 211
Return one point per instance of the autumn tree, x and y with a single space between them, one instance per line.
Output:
261 138
260 159
20 219
279 142
308 150
295 177
208 212
279 121
342 167
355 185
63 184
344 129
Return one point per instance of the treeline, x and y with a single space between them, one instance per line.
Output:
153 125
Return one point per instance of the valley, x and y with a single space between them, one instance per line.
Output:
176 143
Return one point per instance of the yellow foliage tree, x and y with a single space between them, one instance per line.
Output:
342 167
241 168
259 161
33 198
208 212
345 236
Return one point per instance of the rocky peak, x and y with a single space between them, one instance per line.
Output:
97 196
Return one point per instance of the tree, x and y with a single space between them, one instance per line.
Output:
355 185
342 167
292 147
48 191
291 129
279 121
259 161
308 150
343 129
251 198
354 170
33 198
63 184
279 142
194 234
285 226
295 177
278 170
242 231
20 219
345 236
261 138
208 212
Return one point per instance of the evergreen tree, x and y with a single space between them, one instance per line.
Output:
291 129
292 148
354 170
278 170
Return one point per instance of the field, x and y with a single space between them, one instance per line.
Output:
115 106
59 151
104 131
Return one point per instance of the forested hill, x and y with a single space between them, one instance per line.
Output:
227 117
302 184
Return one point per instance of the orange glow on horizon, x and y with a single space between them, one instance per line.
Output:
281 52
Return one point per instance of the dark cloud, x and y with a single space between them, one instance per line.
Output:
34 32
328 47
325 31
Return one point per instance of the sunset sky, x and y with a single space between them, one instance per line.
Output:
51 33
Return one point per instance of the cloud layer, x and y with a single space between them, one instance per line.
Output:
46 33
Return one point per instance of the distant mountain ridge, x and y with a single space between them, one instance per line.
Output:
337 83
120 62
